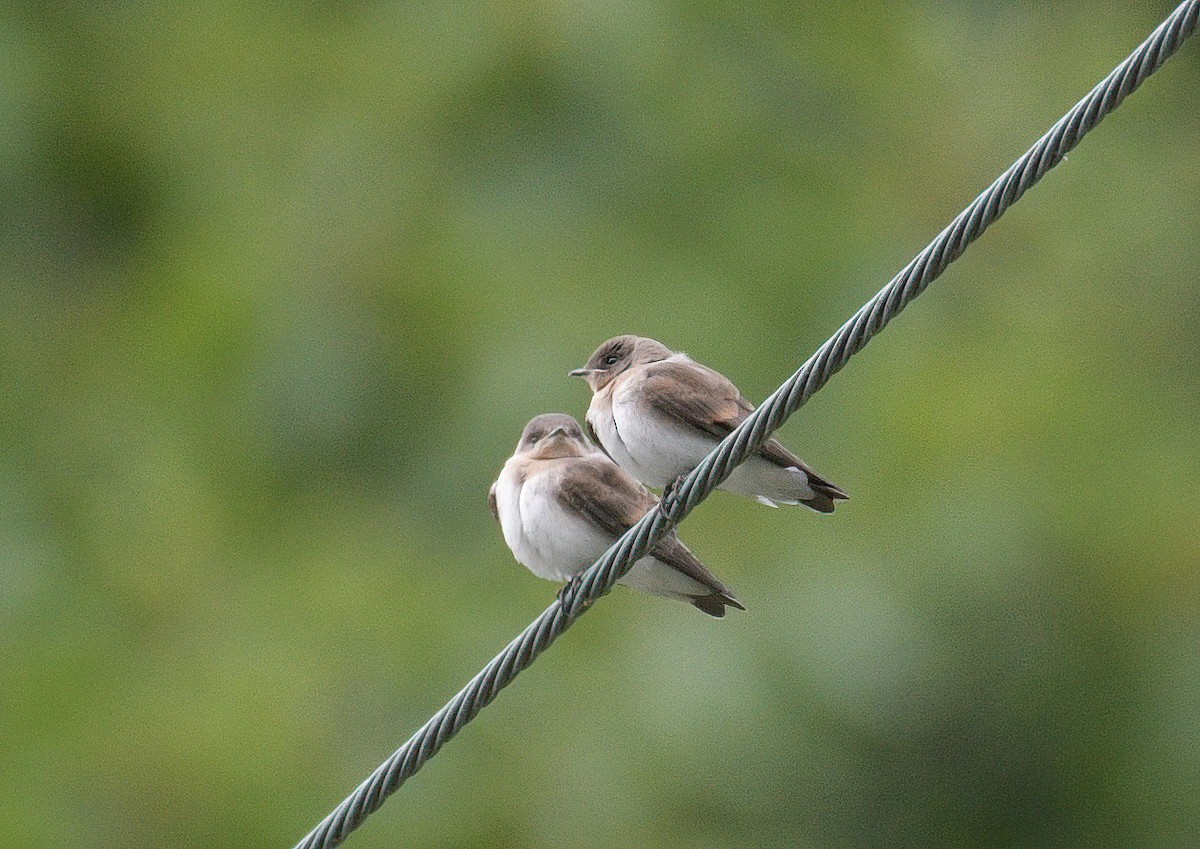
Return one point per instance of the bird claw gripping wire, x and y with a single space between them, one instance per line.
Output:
670 500
568 591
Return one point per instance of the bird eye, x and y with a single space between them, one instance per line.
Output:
611 360
534 437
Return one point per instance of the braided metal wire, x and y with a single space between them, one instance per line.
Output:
690 490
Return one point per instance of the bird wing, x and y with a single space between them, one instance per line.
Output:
492 502
597 489
610 498
707 401
591 432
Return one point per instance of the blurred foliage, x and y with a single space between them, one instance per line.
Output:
281 283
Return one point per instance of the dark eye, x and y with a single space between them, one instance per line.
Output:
534 437
611 360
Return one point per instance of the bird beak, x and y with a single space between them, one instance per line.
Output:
558 431
579 372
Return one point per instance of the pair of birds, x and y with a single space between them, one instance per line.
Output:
562 502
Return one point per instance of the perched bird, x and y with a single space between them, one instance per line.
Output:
562 503
657 413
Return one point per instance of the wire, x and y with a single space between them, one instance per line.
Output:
690 490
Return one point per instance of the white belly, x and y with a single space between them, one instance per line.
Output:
649 446
544 537
556 544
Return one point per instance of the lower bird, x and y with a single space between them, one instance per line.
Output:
658 412
561 503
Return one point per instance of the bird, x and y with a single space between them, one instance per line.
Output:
657 413
561 503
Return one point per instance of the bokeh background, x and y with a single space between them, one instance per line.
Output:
280 285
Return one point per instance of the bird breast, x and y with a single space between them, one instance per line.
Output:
544 536
654 449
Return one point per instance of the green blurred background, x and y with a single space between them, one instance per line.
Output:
280 285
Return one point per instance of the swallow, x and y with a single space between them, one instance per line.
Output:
561 503
658 413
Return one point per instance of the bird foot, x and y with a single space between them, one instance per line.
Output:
568 590
669 489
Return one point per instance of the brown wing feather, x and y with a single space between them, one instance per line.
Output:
492 503
591 432
708 401
597 488
674 553
695 395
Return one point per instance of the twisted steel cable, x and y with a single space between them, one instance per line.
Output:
690 490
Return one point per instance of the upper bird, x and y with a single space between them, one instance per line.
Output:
657 413
562 503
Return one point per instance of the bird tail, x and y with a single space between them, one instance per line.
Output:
772 484
714 604
824 493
